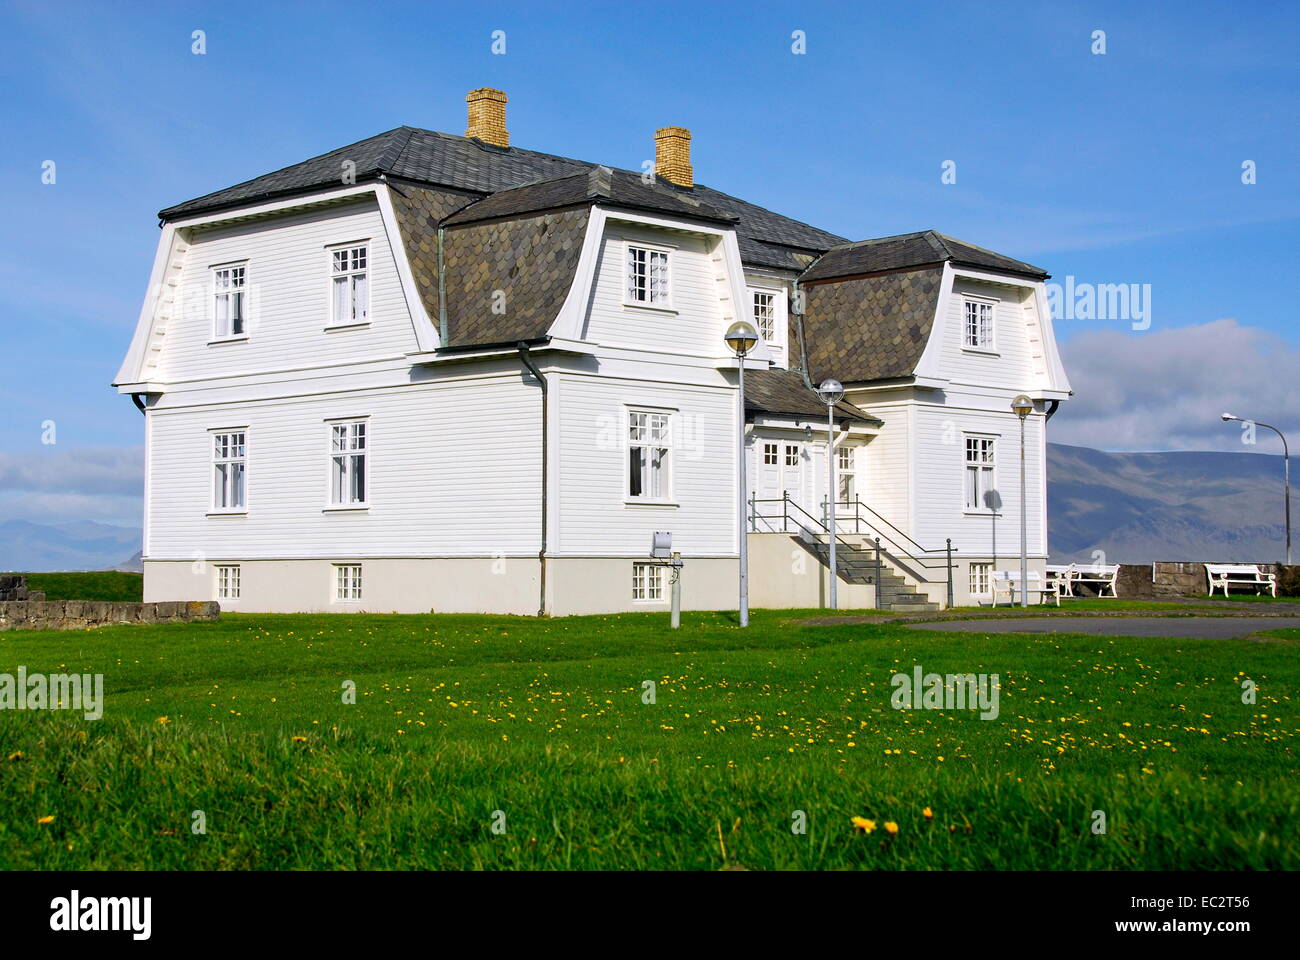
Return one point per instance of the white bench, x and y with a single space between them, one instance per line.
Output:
1102 576
1009 581
1225 575
1058 574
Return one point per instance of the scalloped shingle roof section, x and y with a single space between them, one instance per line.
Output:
870 328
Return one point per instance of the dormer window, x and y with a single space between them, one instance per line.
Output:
350 285
765 314
228 289
647 276
979 324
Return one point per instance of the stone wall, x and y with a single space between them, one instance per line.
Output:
14 587
82 614
1166 580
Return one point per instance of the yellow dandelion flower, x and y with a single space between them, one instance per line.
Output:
298 739
48 818
863 825
927 813
163 720
891 827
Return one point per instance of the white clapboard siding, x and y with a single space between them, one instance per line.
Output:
454 471
693 325
1016 338
939 500
884 465
594 517
288 282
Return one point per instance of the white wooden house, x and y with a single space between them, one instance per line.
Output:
432 372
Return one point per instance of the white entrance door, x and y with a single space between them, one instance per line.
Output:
780 471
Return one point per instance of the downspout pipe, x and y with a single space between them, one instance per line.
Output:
442 292
528 363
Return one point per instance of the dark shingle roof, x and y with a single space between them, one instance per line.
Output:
784 392
461 163
870 328
912 250
616 187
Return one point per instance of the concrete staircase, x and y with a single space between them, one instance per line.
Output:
858 565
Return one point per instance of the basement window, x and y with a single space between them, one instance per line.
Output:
980 579
228 582
647 582
347 581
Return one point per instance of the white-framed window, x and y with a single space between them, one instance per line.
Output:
347 581
229 301
349 285
979 324
229 470
647 582
791 455
349 463
228 581
981 462
649 437
981 579
765 314
647 276
846 473
771 453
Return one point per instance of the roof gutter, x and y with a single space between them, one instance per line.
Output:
527 361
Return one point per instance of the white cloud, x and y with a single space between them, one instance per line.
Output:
89 470
53 485
1166 389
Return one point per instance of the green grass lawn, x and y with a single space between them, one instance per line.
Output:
457 717
88 585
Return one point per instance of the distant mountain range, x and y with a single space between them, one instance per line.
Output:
1134 507
76 545
1144 507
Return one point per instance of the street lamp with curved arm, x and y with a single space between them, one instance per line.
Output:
1286 470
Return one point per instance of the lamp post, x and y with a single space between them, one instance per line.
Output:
1022 407
1286 473
831 393
740 338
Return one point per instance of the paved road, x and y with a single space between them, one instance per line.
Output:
1207 628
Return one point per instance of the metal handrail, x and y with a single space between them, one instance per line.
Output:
893 549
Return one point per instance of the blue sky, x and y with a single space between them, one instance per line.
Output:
1115 168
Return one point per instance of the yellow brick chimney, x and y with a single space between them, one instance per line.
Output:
673 156
487 116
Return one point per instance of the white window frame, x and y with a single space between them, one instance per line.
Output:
650 248
771 453
333 504
780 314
219 487
981 580
665 497
981 346
846 454
648 581
336 322
228 576
232 293
987 466
347 582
